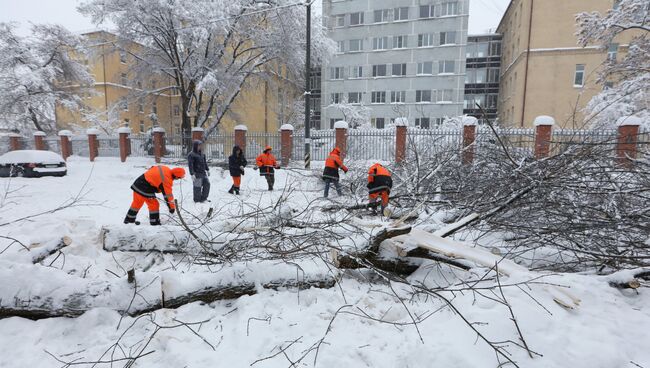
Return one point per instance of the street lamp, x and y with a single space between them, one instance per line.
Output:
308 89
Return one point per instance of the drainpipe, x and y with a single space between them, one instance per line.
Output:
530 30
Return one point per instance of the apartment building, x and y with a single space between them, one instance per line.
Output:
125 99
544 70
399 58
482 73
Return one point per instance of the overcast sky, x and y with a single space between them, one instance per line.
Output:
484 14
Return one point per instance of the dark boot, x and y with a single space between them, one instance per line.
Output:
130 216
232 190
154 218
237 190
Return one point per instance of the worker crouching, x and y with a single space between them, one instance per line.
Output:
158 179
379 186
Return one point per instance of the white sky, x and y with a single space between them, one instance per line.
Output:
484 14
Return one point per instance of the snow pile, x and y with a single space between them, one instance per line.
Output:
31 156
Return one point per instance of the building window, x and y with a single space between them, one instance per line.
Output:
612 51
154 107
397 96
495 48
127 123
401 13
354 97
332 122
608 85
425 40
336 72
124 104
579 78
447 38
356 72
379 123
379 70
177 110
424 123
493 75
123 79
492 101
356 19
336 98
140 105
426 11
445 95
339 21
178 128
378 97
446 67
423 96
400 42
425 68
449 8
480 75
356 45
382 15
141 126
380 43
123 57
340 46
399 70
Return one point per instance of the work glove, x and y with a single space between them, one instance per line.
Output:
255 168
193 177
172 210
241 168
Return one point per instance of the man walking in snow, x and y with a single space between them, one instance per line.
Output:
236 164
331 171
379 185
199 170
158 179
267 164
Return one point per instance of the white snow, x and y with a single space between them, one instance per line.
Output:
401 122
609 328
38 133
629 121
158 129
544 120
469 121
92 131
123 130
341 125
241 127
197 129
30 156
286 127
66 133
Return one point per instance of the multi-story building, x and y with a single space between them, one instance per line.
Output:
121 98
482 76
399 58
544 70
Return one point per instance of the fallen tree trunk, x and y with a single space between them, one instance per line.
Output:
41 252
65 295
132 238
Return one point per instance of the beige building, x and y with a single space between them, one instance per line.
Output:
544 71
116 102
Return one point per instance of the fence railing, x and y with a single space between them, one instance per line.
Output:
358 144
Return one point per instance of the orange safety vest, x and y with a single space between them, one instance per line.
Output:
161 178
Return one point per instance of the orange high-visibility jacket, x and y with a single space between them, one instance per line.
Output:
332 165
160 177
379 179
267 163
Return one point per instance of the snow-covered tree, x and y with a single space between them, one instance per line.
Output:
356 115
35 75
630 77
210 50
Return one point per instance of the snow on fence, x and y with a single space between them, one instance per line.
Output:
360 144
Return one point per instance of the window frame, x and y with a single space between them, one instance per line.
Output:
579 70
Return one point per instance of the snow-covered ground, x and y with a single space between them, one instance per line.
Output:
357 323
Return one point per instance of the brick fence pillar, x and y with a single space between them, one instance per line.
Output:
93 143
14 142
240 137
158 143
124 133
286 143
341 128
66 144
469 139
401 130
543 135
39 141
628 136
198 134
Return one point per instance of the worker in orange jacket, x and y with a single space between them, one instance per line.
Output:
158 179
331 172
267 164
379 185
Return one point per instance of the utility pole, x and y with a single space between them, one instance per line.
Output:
308 89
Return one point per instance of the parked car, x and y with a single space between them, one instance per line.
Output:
32 163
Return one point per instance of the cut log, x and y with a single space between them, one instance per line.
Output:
40 252
129 238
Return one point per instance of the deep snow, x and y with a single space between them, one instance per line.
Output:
609 328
